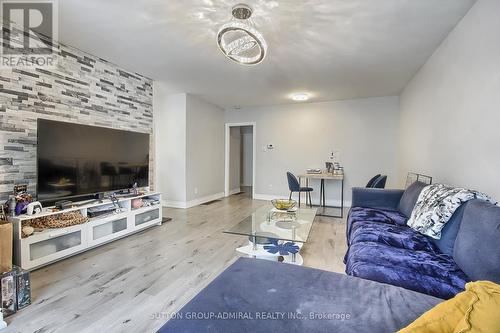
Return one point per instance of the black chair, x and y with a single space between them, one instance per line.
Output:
294 186
371 181
380 182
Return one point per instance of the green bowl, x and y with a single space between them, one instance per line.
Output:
283 204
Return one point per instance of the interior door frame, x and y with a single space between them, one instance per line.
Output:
227 154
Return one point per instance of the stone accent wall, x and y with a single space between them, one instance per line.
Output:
82 89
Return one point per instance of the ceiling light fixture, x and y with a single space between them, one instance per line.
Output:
301 97
239 40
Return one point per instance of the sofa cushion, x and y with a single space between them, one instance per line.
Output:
360 214
450 231
390 234
260 287
376 198
476 248
376 215
409 198
425 272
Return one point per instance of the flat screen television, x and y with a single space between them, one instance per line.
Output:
76 160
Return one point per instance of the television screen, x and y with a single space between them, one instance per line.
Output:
75 160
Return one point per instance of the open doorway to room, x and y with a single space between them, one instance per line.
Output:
240 159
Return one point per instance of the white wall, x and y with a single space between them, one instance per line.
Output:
450 111
189 148
205 150
170 144
234 159
362 130
246 173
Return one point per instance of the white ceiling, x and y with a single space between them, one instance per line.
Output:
333 49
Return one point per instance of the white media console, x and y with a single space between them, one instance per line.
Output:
49 245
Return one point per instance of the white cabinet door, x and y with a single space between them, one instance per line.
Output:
109 228
52 244
147 216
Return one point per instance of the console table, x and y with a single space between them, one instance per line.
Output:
322 202
49 245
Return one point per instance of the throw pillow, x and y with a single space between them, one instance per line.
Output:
435 206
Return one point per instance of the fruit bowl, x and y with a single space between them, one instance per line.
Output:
283 204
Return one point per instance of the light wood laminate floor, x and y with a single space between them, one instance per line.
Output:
130 284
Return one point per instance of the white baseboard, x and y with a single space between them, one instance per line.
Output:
173 204
234 191
192 203
269 197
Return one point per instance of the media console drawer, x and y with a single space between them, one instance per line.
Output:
107 229
148 216
53 244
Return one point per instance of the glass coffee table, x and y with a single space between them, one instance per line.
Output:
274 234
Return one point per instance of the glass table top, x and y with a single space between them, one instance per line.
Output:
267 222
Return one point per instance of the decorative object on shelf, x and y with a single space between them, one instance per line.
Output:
284 248
135 189
313 171
239 40
137 203
23 287
34 208
114 200
62 220
19 189
283 204
12 205
22 201
8 293
329 167
27 231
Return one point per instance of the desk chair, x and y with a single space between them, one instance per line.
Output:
371 181
294 186
380 182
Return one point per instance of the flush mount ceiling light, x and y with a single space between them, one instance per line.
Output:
239 40
300 97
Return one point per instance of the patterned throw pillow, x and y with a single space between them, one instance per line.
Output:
435 206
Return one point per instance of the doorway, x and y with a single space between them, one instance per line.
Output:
240 159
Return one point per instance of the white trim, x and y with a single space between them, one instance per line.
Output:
192 203
226 155
269 197
173 204
234 191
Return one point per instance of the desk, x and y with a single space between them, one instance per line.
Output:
322 202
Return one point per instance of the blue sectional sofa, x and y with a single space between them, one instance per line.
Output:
381 247
255 295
